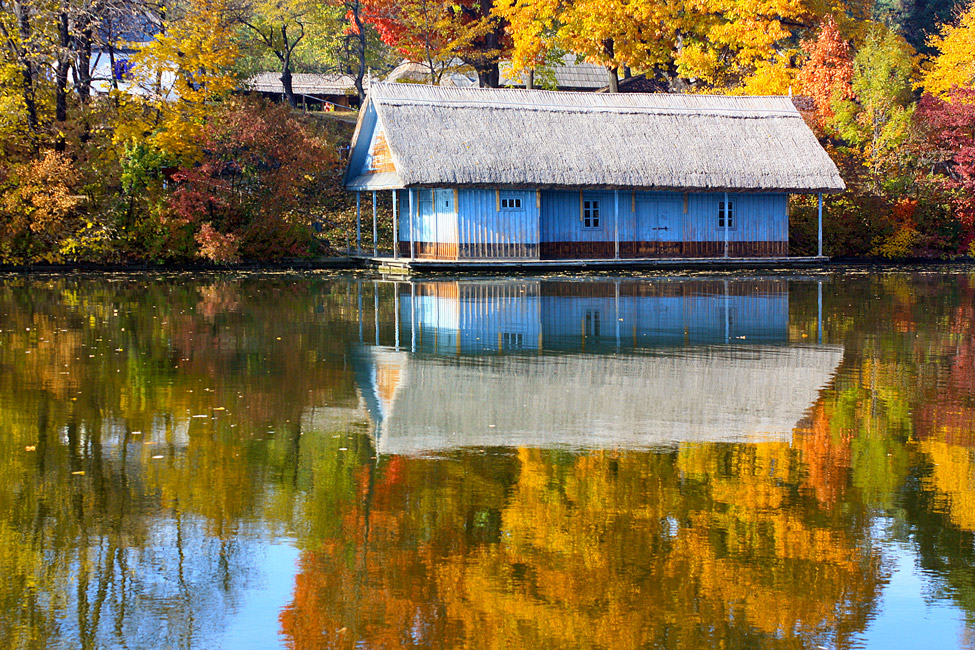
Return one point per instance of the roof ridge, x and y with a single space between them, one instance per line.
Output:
752 112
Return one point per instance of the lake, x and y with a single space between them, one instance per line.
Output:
309 460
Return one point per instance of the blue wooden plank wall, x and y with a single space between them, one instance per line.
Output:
481 230
660 216
487 231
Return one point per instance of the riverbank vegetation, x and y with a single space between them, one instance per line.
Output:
165 159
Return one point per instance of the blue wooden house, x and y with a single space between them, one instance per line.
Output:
488 174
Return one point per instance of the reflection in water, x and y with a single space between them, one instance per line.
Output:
737 463
714 365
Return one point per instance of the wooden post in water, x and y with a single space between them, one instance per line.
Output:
358 222
820 253
819 316
396 307
395 227
375 242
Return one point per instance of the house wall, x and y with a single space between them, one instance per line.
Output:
523 224
662 224
484 223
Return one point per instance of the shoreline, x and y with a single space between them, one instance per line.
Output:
352 263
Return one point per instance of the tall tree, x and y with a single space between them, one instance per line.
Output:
828 74
877 119
280 26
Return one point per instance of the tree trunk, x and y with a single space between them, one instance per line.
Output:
530 79
61 75
488 74
28 73
360 43
614 80
83 67
289 92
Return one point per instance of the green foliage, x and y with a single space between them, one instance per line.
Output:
877 119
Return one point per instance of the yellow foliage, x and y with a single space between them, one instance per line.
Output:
954 64
899 245
177 78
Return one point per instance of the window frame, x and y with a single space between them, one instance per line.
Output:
512 203
591 218
727 219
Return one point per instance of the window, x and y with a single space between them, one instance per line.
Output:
592 322
512 340
511 204
590 214
726 217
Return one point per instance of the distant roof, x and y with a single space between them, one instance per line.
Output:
479 137
638 84
568 75
456 73
421 404
305 84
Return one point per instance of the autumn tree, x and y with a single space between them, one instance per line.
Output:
828 74
178 77
954 64
877 119
255 191
280 26
436 32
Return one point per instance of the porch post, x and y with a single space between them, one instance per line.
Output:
358 222
616 224
820 224
412 251
395 226
375 244
396 310
727 213
819 313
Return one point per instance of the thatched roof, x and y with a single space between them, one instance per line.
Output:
304 84
478 137
421 404
570 75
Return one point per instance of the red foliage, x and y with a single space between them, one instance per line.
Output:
950 128
256 190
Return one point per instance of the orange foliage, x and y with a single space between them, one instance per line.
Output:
828 74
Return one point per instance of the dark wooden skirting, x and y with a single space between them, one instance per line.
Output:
595 250
577 250
630 250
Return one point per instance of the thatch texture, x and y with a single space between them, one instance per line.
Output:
570 75
421 404
304 84
475 137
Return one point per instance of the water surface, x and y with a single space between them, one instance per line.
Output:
324 461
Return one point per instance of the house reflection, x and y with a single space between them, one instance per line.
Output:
588 364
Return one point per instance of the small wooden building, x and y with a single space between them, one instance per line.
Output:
537 175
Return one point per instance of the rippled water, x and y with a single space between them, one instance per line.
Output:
322 461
